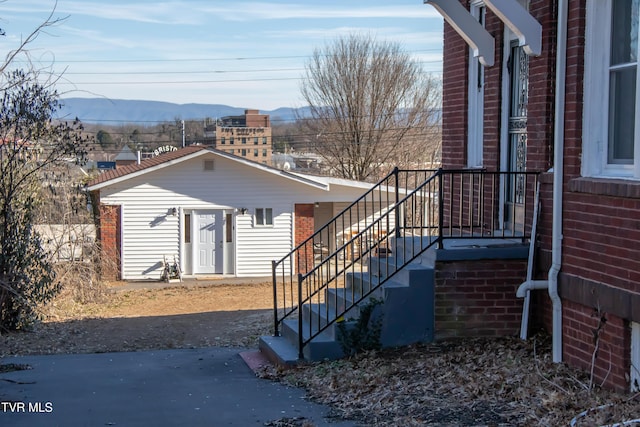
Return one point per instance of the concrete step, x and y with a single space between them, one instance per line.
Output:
278 350
320 316
323 346
362 282
406 312
338 299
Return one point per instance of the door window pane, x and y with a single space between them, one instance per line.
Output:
187 228
229 228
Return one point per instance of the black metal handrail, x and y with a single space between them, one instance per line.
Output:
336 233
447 204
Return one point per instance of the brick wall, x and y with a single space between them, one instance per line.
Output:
541 94
601 236
304 228
601 225
581 326
478 298
109 236
601 230
454 99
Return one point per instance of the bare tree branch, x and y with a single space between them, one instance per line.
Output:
370 106
50 21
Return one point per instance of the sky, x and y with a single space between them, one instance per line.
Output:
247 54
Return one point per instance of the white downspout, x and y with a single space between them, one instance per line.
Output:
558 180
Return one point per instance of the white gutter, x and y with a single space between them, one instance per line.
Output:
558 180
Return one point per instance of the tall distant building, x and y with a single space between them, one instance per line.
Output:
247 136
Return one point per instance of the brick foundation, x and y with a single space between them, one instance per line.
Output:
478 298
581 325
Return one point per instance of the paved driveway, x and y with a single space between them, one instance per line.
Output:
199 387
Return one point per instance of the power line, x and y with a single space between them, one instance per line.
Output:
182 72
239 58
177 82
110 73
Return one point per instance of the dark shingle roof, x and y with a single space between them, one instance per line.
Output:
146 164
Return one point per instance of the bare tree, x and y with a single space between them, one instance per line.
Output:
32 143
370 103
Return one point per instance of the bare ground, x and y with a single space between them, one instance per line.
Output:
471 382
231 315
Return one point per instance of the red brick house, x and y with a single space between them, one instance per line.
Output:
551 87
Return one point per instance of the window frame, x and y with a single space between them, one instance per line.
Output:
595 126
263 217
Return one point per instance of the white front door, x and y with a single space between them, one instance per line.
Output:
208 257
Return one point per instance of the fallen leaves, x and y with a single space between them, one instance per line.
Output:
473 382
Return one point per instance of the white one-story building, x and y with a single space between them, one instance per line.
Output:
213 212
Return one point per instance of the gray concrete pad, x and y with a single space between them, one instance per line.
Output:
194 387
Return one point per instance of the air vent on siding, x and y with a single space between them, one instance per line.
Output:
208 165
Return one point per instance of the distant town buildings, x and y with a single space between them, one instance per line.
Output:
247 136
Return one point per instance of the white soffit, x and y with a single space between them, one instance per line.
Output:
468 27
525 26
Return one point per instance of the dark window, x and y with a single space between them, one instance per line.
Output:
264 216
187 228
229 228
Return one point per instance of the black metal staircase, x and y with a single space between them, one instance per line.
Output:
378 247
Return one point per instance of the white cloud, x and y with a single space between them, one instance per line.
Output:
245 11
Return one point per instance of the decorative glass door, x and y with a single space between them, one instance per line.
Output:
518 67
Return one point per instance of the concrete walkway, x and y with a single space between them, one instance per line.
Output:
199 387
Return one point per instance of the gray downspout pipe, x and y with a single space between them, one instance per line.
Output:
558 180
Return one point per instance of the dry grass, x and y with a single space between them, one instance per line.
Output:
233 315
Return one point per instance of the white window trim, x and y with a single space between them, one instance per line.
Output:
264 217
475 114
596 94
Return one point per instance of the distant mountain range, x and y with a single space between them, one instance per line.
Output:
98 110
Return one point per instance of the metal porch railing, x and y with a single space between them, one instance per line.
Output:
399 218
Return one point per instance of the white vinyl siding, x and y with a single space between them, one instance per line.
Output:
150 231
